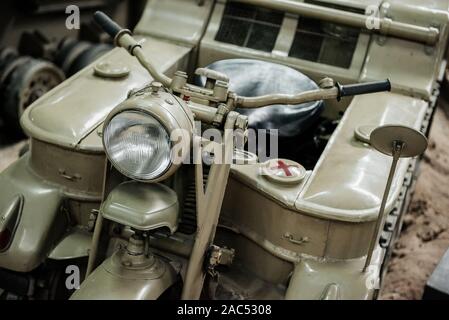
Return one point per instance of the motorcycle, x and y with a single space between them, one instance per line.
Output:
140 212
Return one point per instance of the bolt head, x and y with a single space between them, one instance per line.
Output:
156 86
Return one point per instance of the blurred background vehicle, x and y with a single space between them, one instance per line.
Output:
38 51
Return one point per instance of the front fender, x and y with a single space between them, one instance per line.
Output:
40 224
113 281
321 279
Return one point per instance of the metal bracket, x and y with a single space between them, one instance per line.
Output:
218 256
92 219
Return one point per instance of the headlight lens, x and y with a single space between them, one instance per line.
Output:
138 145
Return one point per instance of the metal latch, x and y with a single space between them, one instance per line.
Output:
67 176
299 241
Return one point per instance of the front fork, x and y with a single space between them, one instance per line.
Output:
208 207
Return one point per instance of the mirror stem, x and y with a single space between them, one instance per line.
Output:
396 151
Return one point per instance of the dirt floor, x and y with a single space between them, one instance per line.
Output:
425 234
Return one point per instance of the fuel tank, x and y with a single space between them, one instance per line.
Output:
70 115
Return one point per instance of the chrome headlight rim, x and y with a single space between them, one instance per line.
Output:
172 113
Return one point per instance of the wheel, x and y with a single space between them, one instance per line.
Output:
74 55
51 283
28 81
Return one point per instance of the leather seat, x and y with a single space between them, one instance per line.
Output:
255 78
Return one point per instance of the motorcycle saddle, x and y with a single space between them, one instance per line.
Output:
252 78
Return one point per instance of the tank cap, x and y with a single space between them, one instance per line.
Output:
283 171
363 132
243 157
108 70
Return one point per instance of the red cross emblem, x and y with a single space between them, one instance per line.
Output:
285 167
283 171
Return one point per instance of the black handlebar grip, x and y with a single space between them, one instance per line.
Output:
362 88
107 24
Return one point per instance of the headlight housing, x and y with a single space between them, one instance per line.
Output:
137 136
138 144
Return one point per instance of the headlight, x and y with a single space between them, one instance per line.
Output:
138 145
136 136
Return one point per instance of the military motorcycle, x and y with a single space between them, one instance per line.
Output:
136 137
148 204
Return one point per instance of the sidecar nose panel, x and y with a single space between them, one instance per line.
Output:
40 223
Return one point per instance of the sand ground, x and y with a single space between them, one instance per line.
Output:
425 232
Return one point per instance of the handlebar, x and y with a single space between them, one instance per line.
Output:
338 91
363 88
124 39
107 24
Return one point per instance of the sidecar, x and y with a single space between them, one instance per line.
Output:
307 240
